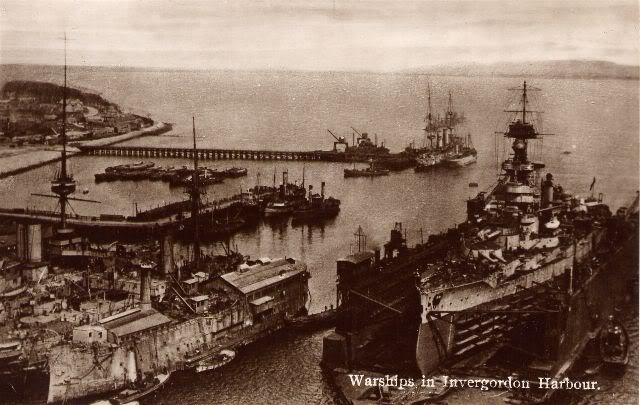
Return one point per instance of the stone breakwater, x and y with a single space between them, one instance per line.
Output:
18 160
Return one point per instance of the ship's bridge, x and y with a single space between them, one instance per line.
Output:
521 130
516 193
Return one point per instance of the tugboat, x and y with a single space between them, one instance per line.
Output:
371 171
316 207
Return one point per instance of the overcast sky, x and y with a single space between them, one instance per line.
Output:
316 34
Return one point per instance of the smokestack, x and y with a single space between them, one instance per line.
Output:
322 190
145 286
547 191
285 180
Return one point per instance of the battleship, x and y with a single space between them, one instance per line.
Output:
446 147
524 287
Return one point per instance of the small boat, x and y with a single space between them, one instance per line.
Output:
85 191
370 171
224 357
614 343
566 152
235 172
131 395
10 351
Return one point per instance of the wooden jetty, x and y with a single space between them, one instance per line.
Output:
206 154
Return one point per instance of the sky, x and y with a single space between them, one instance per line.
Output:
316 34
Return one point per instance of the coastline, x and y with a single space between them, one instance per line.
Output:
25 160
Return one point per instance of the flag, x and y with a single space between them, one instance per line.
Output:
593 183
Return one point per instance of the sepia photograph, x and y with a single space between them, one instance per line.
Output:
328 202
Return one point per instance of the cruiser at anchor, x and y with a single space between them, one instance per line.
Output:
449 149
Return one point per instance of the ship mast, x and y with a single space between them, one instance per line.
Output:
194 193
429 118
519 169
450 112
63 184
524 102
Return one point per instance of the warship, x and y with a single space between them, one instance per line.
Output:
445 147
520 290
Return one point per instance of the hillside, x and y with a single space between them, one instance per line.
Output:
50 93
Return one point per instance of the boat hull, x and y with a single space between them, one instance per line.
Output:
462 161
443 339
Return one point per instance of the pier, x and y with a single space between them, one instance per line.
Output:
158 220
208 154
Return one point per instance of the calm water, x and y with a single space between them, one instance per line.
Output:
596 120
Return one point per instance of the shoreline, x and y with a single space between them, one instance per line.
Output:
28 160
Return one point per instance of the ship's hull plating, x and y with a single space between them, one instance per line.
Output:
444 335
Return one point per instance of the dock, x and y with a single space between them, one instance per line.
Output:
204 154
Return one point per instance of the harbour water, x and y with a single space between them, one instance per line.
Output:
596 121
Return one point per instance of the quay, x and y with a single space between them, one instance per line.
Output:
156 220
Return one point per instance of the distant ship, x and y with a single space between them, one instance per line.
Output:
372 171
445 147
463 155
364 149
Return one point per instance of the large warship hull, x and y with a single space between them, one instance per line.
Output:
522 307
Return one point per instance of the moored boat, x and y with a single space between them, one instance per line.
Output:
371 171
316 207
211 363
613 343
129 395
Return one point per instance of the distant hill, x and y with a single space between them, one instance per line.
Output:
575 69
52 93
